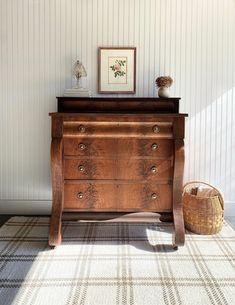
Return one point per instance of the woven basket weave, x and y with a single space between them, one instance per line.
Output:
203 213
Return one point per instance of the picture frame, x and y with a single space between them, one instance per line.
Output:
117 70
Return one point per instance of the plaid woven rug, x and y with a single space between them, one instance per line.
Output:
113 263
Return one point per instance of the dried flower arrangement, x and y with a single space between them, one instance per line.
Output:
164 81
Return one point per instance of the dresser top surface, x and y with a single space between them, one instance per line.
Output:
90 114
122 99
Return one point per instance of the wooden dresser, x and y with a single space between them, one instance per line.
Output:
117 155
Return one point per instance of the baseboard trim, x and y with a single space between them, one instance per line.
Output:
25 207
229 208
43 207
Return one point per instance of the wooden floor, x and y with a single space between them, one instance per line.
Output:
229 219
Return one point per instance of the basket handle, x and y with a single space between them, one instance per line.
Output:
219 193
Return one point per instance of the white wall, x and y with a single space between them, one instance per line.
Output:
191 40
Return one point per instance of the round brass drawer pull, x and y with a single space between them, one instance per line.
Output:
82 146
154 196
156 129
82 128
80 195
154 169
154 146
81 168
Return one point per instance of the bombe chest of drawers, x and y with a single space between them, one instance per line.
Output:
117 155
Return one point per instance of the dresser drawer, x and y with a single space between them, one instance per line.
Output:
106 147
119 196
135 169
118 129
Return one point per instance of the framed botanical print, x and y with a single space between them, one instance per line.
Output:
117 70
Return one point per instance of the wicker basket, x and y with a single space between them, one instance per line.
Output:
203 209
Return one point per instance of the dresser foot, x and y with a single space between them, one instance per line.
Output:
54 232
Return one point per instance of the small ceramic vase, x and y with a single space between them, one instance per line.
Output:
163 92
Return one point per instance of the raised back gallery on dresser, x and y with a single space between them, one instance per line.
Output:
117 155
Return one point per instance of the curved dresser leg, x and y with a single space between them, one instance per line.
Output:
57 195
179 234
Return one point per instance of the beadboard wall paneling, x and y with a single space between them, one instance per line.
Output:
191 40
